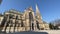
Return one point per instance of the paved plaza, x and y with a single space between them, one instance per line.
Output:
38 32
51 31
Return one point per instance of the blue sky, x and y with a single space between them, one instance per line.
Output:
49 9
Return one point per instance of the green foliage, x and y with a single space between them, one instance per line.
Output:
51 26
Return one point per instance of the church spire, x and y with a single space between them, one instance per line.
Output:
38 12
38 16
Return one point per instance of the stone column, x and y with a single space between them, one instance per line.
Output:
4 28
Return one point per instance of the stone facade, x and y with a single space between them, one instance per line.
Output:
1 18
15 21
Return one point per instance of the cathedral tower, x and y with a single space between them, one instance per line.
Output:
39 21
38 16
30 19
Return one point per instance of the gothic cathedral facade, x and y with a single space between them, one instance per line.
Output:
15 21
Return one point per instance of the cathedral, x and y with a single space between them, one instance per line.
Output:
16 21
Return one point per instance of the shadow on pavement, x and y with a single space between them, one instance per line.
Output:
29 32
25 32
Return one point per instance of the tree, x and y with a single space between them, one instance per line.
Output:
56 27
55 24
51 26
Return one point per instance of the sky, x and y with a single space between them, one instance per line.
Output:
49 9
